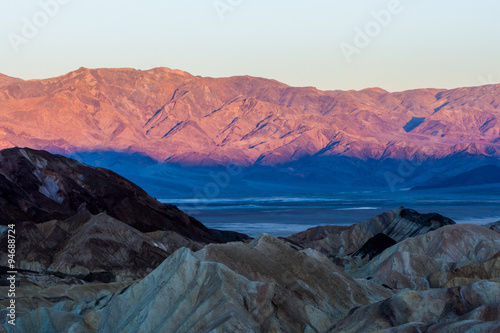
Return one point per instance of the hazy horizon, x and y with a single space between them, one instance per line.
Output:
393 45
480 79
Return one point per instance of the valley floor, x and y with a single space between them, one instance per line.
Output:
285 215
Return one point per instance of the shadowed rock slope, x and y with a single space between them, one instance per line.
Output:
488 174
38 186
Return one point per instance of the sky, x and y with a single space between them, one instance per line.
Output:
328 44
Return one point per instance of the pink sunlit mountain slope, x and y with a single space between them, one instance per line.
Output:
174 116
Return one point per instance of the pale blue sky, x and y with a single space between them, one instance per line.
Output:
442 44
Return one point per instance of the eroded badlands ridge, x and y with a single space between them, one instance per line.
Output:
74 219
91 272
175 116
266 286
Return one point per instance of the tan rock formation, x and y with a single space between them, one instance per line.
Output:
94 248
409 263
485 271
471 308
264 286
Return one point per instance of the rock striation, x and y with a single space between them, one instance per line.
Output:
404 249
275 285
93 247
41 290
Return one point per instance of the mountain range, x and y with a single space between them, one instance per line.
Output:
173 116
94 252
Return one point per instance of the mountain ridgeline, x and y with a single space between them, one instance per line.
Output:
278 133
173 116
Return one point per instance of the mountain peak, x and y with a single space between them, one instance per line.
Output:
5 80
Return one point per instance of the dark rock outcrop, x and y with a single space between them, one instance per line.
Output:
92 247
263 286
374 246
37 186
83 233
89 222
273 285
494 226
